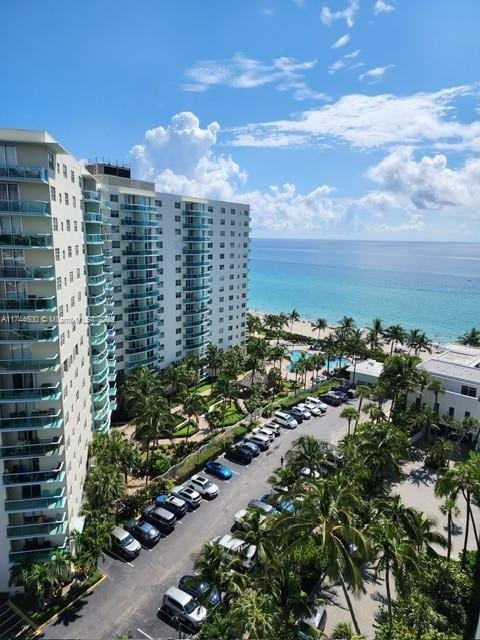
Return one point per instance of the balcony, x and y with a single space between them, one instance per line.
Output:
99 397
96 259
94 238
24 173
196 225
144 208
36 551
92 196
25 207
201 287
33 421
29 335
198 214
197 239
142 363
141 252
205 275
100 376
140 323
189 299
98 339
197 323
102 414
30 449
140 294
199 334
139 223
53 501
35 394
197 252
27 273
37 241
141 349
133 237
32 303
204 262
135 281
141 308
95 300
48 363
91 216
47 527
34 477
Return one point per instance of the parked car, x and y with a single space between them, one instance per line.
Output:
278 503
264 432
201 589
307 414
205 487
239 454
189 495
309 406
311 627
179 604
331 399
318 403
161 518
237 547
284 419
312 474
260 440
124 544
239 518
261 505
143 531
171 503
273 426
297 414
218 470
251 446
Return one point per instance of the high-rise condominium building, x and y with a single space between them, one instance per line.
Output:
99 274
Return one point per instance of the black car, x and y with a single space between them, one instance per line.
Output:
201 589
297 414
333 400
143 531
161 518
239 454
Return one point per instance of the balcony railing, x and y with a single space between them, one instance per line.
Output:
141 363
27 273
138 207
140 294
21 421
24 173
141 252
131 222
34 394
96 259
38 241
201 287
29 335
94 238
34 477
141 349
134 237
141 322
47 363
92 216
141 308
23 449
25 207
49 527
92 196
36 551
135 281
54 501
94 300
32 303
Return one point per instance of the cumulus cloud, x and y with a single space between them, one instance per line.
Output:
373 75
368 122
341 42
242 72
347 14
383 7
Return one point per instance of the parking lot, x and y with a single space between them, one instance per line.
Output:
128 601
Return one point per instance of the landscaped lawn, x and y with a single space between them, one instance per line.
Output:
232 415
187 430
177 418
206 386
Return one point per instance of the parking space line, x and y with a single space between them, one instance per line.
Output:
237 473
145 634
122 560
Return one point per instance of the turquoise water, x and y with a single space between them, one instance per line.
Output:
431 286
332 364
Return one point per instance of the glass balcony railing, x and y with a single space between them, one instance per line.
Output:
112 391
48 363
95 281
141 252
36 551
92 196
27 273
94 300
134 237
198 287
29 335
95 259
132 222
144 208
140 294
194 322
135 281
197 213
141 308
200 348
141 322
92 216
198 262
33 477
140 349
206 275
94 238
197 239
22 449
189 298
25 207
141 363
197 252
24 173
39 530
32 303
52 501
102 414
96 340
38 241
197 334
99 397
46 391
21 421
100 376
196 225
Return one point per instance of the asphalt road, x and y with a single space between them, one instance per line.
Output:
128 601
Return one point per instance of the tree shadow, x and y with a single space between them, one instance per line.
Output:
72 614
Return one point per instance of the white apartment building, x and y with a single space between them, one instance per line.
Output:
99 274
458 369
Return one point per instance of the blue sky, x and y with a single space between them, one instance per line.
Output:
335 118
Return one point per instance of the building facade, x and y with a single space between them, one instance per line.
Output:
99 274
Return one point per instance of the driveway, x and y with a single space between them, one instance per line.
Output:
128 601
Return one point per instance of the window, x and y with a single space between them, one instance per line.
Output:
72 176
451 411
158 203
66 198
469 391
74 202
210 209
64 170
178 218
57 254
55 224
68 224
177 205
113 197
59 283
51 161
60 196
178 232
53 194
75 225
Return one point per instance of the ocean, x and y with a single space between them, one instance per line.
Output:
430 286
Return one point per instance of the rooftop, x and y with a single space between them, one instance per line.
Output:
31 136
367 367
456 362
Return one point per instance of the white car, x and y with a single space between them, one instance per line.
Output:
264 431
239 518
237 547
303 408
312 474
178 604
314 410
273 426
204 486
318 403
189 495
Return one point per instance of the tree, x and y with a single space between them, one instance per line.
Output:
382 447
350 413
220 568
329 348
394 334
140 389
213 359
257 352
293 316
91 543
155 422
114 449
104 486
251 613
254 324
275 380
399 377
194 406
356 346
436 387
319 325
227 390
470 338
363 392
347 323
255 531
450 509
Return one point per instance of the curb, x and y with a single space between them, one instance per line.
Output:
39 628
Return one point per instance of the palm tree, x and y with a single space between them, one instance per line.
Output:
470 338
347 323
319 325
114 449
399 377
277 354
255 531
350 413
90 544
257 351
104 486
227 390
140 388
436 387
329 348
254 324
395 334
363 392
382 447
194 405
155 422
219 568
293 316
213 359
357 347
420 532
252 615
450 509
377 327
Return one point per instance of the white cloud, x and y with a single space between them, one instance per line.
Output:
375 74
336 66
353 55
341 42
429 184
268 12
299 3
373 121
347 14
383 7
242 72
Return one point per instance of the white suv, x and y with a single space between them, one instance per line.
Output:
177 603
264 431
205 487
188 495
318 403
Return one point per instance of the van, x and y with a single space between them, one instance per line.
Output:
259 439
285 420
236 547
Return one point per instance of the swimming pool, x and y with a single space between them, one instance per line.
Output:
332 364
